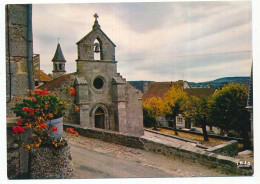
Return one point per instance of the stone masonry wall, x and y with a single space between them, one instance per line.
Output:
228 148
16 53
51 163
134 111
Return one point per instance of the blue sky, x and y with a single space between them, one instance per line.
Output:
160 41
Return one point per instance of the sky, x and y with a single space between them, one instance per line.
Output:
159 41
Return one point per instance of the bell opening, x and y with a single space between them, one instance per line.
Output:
97 50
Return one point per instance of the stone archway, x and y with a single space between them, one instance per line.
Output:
99 118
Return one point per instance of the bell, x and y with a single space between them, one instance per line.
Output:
96 50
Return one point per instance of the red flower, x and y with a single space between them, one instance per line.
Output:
40 92
16 100
54 128
18 129
19 122
33 99
24 109
43 126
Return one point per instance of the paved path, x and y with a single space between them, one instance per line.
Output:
170 141
93 158
92 164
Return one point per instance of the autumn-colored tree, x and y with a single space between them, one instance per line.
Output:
174 102
228 112
152 108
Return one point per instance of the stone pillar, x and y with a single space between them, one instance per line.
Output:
119 87
82 100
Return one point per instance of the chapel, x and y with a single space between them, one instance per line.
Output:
105 99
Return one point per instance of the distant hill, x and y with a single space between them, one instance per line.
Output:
218 83
139 84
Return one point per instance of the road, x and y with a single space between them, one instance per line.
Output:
93 158
92 164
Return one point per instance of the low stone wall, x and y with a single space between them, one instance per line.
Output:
228 148
107 136
212 160
50 163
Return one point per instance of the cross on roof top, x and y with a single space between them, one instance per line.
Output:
96 16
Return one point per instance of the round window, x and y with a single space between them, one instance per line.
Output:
98 83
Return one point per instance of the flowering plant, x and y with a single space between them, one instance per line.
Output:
34 111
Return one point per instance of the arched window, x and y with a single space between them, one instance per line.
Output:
55 66
60 66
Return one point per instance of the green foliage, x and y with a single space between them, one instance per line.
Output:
227 108
149 118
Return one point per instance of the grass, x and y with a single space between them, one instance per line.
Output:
211 143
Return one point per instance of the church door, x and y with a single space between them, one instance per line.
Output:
99 118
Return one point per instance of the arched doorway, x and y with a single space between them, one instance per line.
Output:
99 118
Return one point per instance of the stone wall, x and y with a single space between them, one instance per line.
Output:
228 148
107 136
17 80
51 163
12 156
212 160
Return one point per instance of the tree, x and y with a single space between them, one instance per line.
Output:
201 116
228 112
174 101
189 109
152 108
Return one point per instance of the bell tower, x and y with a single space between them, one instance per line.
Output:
58 63
105 99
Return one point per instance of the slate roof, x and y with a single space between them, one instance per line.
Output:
158 89
58 54
55 83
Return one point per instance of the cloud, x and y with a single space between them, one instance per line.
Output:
150 37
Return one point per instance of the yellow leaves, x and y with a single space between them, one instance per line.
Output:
154 104
161 106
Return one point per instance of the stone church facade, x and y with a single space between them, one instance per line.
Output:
104 98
